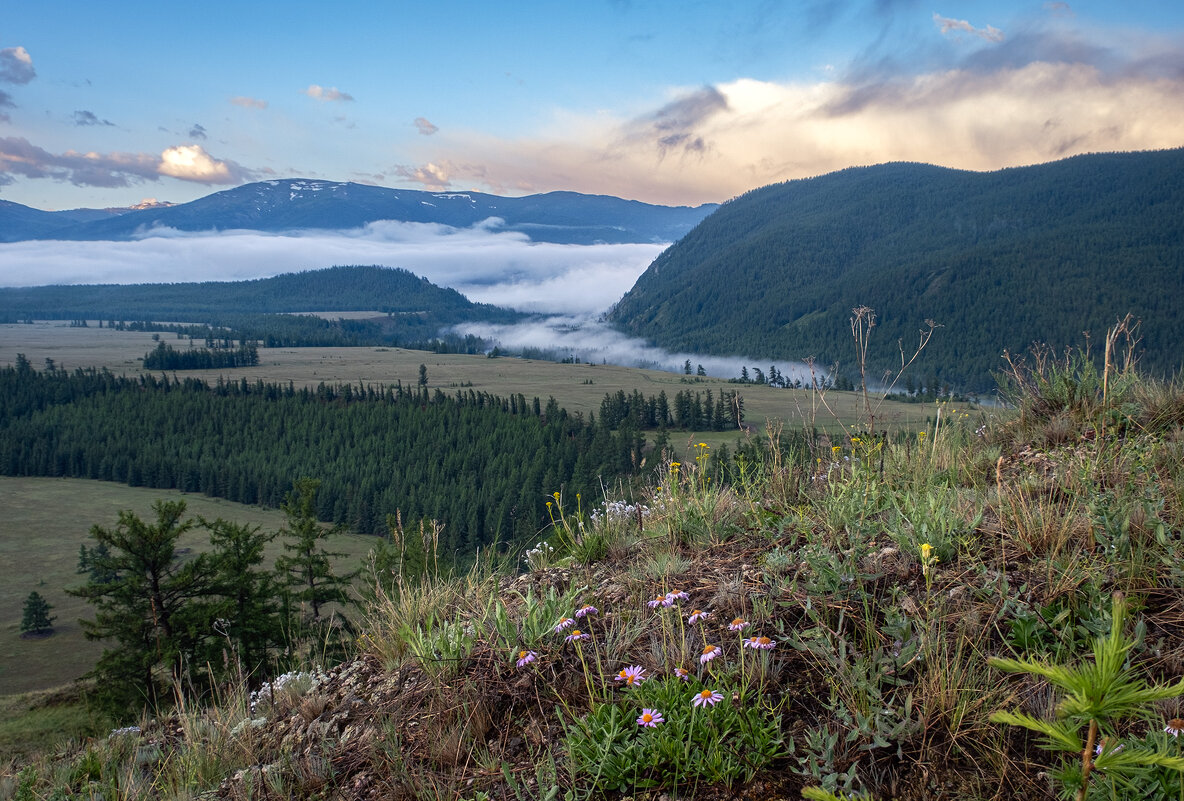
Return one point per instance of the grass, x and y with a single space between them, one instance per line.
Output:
43 521
576 387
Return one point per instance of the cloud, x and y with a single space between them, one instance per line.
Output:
1045 92
248 102
19 157
84 117
193 163
947 25
331 94
430 175
198 131
5 102
16 65
425 127
678 124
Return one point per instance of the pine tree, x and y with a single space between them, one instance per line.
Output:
36 619
157 612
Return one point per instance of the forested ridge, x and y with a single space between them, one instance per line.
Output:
999 260
267 309
484 466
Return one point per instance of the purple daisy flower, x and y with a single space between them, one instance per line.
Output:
659 601
584 611
577 635
709 652
677 595
739 624
564 624
697 615
707 698
632 676
650 717
683 674
1175 727
526 657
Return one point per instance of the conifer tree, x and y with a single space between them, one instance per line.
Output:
308 569
36 619
156 612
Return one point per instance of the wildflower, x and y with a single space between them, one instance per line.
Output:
526 657
632 676
739 624
583 611
564 624
707 698
677 595
683 674
577 635
675 465
704 445
659 601
836 449
709 652
1175 727
650 717
697 615
761 643
1104 744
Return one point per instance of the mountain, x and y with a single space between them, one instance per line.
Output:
291 204
999 259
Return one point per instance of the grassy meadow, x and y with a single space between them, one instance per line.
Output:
576 387
43 521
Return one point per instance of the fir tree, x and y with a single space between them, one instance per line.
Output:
36 619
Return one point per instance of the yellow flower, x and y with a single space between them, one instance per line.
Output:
703 445
836 449
555 495
675 465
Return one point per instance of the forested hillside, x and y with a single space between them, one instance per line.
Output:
999 259
416 309
483 466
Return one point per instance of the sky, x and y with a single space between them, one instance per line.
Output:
111 104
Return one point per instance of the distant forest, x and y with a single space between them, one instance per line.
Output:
273 312
999 260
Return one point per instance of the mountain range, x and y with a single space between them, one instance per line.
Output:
295 204
999 259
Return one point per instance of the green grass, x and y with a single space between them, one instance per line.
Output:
43 521
121 352
34 722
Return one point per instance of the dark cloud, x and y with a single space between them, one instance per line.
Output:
425 127
198 131
83 117
674 127
16 66
5 102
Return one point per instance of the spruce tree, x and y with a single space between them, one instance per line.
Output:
308 569
36 619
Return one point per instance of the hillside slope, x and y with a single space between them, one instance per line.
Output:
998 259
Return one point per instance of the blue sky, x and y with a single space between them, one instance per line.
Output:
107 104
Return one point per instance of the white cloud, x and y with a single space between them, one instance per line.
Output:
332 94
193 163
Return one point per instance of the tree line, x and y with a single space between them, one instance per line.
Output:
694 411
482 465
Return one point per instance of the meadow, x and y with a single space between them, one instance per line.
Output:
45 520
576 387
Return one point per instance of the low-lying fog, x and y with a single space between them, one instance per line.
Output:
572 285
